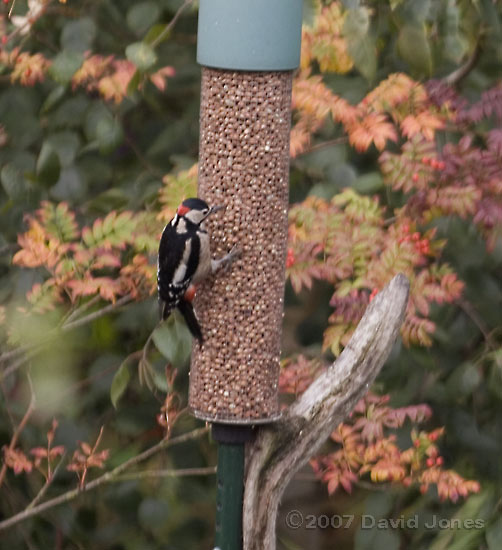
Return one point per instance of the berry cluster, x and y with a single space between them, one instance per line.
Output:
421 245
435 164
425 441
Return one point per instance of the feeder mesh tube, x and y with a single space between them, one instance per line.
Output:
243 164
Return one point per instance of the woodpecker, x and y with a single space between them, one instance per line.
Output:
185 259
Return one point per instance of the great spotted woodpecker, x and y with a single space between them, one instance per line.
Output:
185 260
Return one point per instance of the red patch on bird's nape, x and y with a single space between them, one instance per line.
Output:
190 293
182 210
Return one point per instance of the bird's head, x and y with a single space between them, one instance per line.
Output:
196 210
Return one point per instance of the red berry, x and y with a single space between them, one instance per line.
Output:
6 1
423 246
441 165
290 258
4 39
433 436
416 236
406 228
434 164
416 443
426 160
414 177
439 460
430 462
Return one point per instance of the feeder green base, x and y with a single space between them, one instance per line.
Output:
230 477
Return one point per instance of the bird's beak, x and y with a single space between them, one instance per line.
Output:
216 208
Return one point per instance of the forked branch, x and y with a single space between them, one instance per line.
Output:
280 449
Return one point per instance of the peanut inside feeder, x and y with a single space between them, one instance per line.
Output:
243 164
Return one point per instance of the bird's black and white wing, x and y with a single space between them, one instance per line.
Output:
177 262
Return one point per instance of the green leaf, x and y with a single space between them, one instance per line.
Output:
413 12
65 65
13 181
413 46
174 341
48 165
109 134
153 34
455 44
66 145
70 114
361 46
368 184
78 36
70 186
494 535
134 83
477 507
495 377
119 383
53 99
142 55
141 16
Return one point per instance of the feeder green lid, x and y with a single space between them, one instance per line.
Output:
250 35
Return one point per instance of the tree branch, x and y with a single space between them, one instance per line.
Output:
170 25
454 78
25 353
97 314
182 472
280 449
108 477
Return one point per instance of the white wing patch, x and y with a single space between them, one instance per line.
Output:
181 226
179 274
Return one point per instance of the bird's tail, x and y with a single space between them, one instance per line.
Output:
165 309
188 313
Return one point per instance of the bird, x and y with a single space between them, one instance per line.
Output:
184 260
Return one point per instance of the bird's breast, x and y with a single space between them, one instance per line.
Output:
204 267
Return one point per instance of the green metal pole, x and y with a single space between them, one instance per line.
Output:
230 489
230 476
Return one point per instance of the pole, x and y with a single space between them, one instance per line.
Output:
230 484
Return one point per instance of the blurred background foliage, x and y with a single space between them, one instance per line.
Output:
116 133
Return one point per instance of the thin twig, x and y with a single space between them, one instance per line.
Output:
97 314
474 316
20 362
84 307
7 355
171 23
105 478
19 429
324 144
454 78
166 473
48 481
143 160
93 451
30 351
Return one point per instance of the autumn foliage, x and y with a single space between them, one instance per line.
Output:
438 156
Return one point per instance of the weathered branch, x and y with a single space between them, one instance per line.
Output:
283 447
